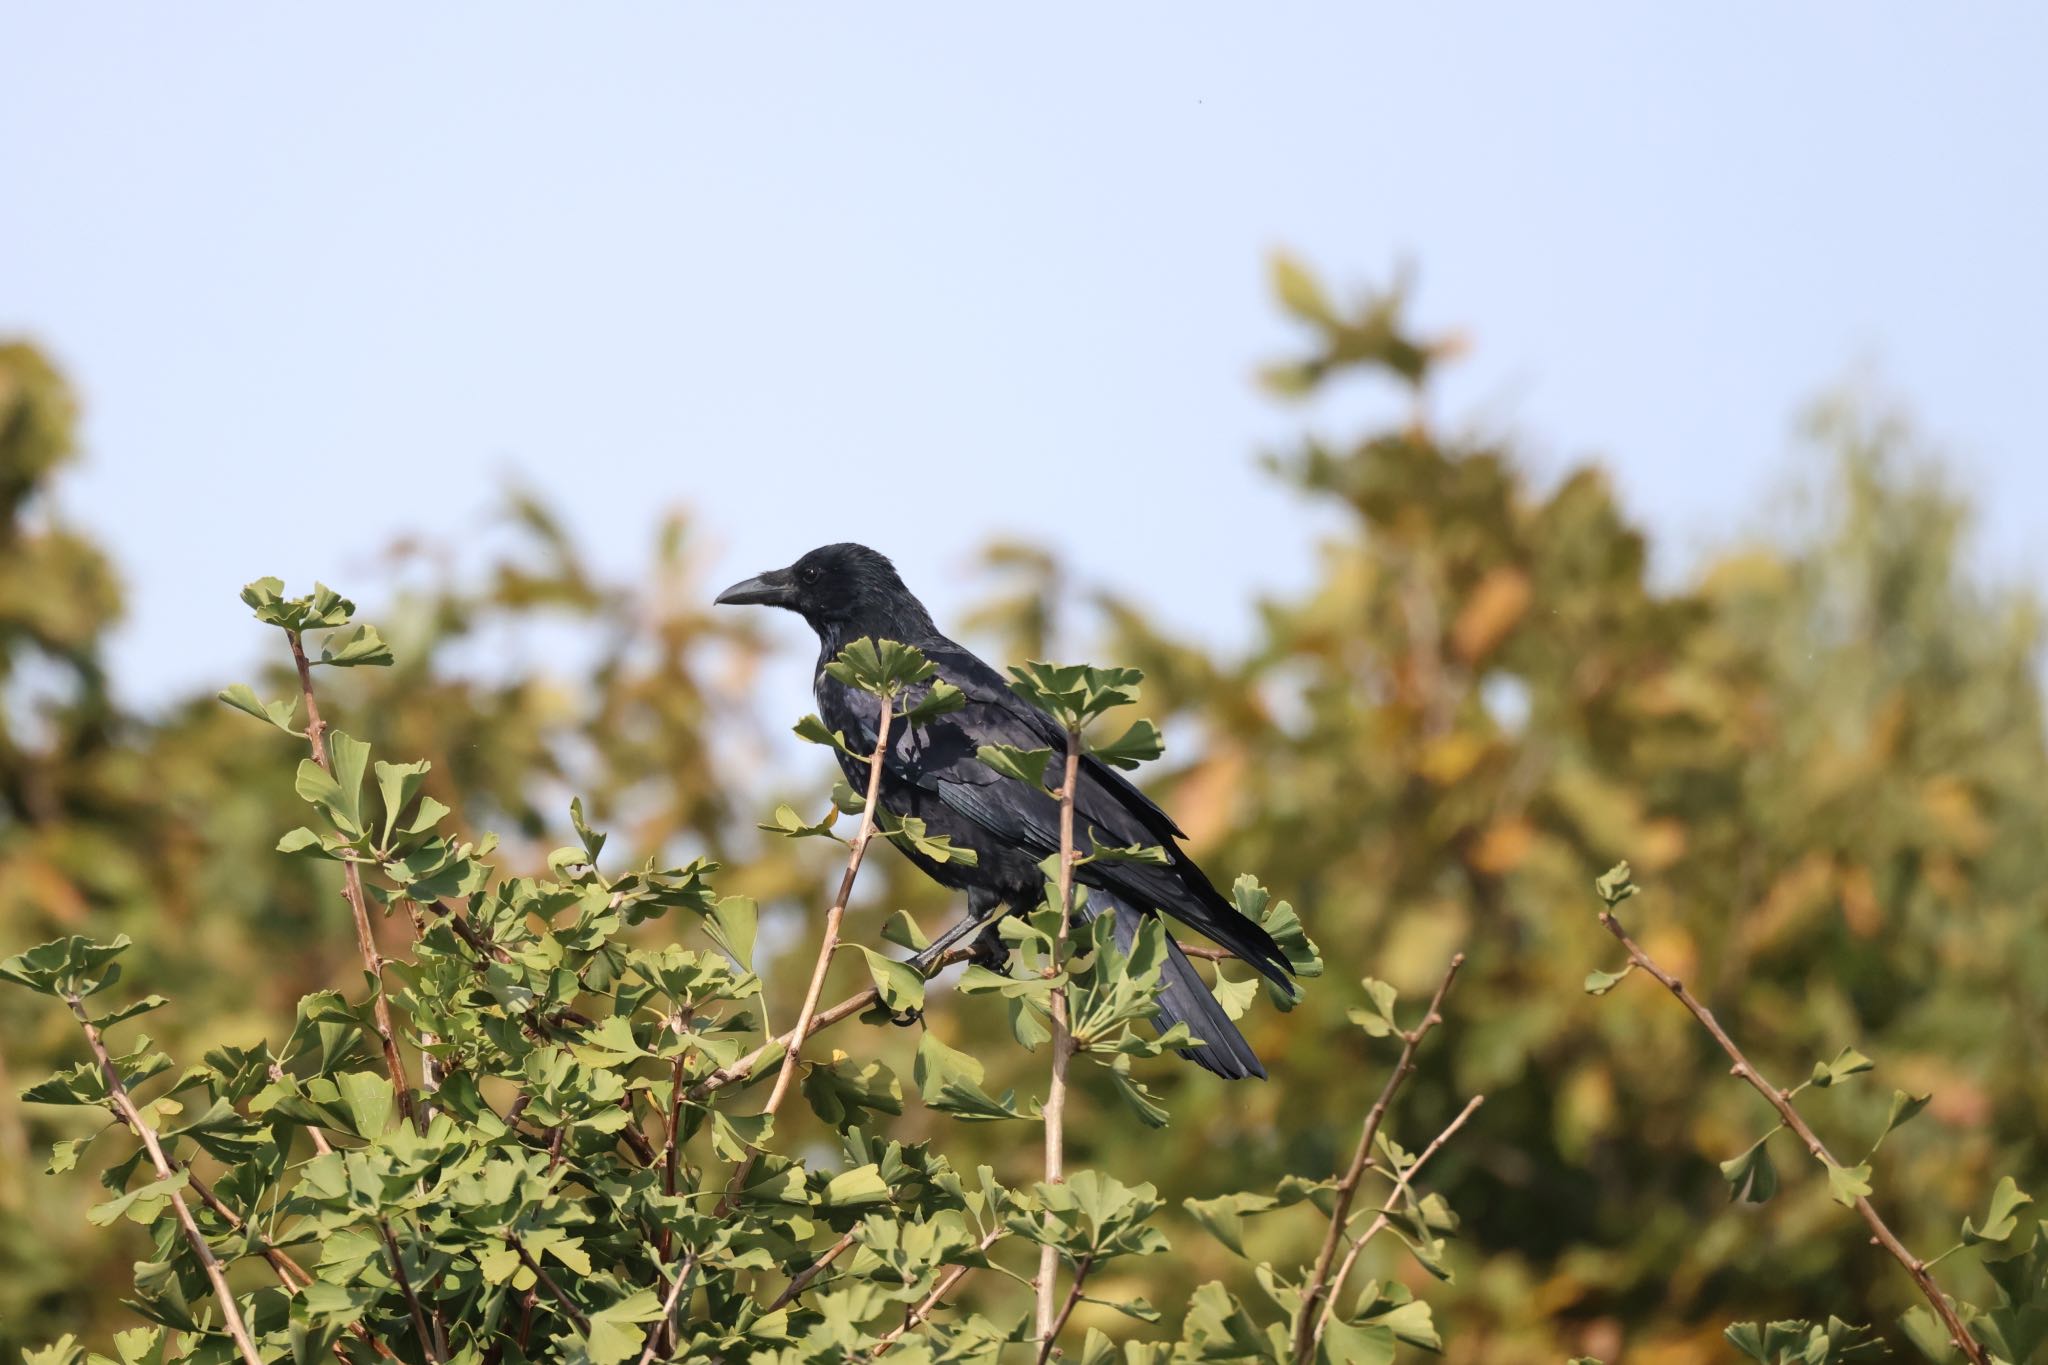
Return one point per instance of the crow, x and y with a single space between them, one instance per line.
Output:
848 591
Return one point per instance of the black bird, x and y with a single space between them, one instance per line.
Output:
848 591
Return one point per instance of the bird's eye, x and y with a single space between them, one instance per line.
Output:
808 575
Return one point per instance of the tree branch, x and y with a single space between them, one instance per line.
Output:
1347 1187
412 1300
1781 1100
1400 1184
845 1009
826 946
1059 1322
124 1105
668 1308
802 1279
930 1303
352 891
547 1282
1055 1111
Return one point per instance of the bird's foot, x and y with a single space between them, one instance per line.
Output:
989 950
907 1018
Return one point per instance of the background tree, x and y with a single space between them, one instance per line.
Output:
1823 752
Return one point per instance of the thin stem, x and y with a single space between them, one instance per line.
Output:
1055 1112
826 946
1880 1232
412 1300
668 1307
124 1105
929 1303
352 891
845 1009
547 1282
1347 1185
1372 1230
802 1279
1059 1322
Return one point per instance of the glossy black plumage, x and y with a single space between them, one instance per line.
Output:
848 591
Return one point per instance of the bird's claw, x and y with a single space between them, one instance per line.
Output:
906 1018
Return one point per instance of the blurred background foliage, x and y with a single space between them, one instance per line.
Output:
1823 752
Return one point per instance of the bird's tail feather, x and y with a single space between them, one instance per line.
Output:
1184 998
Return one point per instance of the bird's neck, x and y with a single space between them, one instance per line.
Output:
906 621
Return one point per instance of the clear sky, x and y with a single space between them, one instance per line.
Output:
759 259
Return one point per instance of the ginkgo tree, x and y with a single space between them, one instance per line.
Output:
548 1129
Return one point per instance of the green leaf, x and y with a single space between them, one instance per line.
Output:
64 1153
732 926
905 932
882 669
143 1204
1848 1062
1751 1177
2002 1219
1847 1184
1136 853
898 983
1344 1344
950 1081
843 1094
364 648
1139 744
67 966
1223 1217
1616 886
592 841
1235 996
1377 1019
1075 693
1904 1109
790 825
1025 765
1298 291
615 1335
812 729
338 795
279 713
397 785
909 833
940 699
1599 983
368 1099
861 1185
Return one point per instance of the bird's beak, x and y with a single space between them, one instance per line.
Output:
776 588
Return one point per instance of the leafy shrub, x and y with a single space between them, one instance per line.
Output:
536 1135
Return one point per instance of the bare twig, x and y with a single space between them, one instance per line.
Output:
1055 1111
1372 1230
1781 1100
124 1105
826 947
929 1303
1059 1321
352 891
1347 1186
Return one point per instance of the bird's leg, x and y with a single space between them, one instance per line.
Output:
989 949
984 908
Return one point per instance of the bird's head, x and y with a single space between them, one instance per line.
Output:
833 586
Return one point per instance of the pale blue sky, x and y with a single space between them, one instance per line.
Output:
722 255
